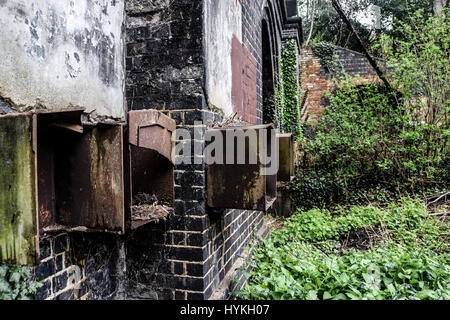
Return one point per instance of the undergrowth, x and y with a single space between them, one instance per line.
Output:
406 258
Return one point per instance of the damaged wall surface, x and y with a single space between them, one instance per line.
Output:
179 61
17 241
61 53
223 21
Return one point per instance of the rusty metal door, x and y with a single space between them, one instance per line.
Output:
286 156
88 181
149 167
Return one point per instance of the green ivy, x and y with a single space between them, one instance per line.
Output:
272 108
285 108
16 283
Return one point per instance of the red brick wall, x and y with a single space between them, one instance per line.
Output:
318 80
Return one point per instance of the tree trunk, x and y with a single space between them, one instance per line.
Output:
438 5
371 60
312 22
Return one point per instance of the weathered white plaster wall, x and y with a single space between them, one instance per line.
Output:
61 53
223 19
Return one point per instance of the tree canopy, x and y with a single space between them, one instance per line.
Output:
324 24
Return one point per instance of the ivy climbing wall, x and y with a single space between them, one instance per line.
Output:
61 53
290 87
322 66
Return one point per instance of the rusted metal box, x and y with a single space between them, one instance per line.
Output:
286 156
149 167
241 183
79 174
57 175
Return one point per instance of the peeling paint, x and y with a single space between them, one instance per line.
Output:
56 54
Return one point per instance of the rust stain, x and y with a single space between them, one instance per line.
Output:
243 88
44 214
17 191
107 178
286 157
241 186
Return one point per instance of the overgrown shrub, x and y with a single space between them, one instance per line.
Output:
366 141
373 144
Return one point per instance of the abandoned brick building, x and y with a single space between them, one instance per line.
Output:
319 78
90 93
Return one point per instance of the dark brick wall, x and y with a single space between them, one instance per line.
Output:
165 71
164 55
352 63
233 232
80 266
193 253
230 237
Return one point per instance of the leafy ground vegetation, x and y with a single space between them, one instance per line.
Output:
362 252
366 225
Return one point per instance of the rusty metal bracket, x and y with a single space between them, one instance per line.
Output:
152 129
149 167
242 186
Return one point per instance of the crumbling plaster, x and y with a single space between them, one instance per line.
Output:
61 53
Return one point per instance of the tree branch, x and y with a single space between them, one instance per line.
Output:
372 61
312 23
